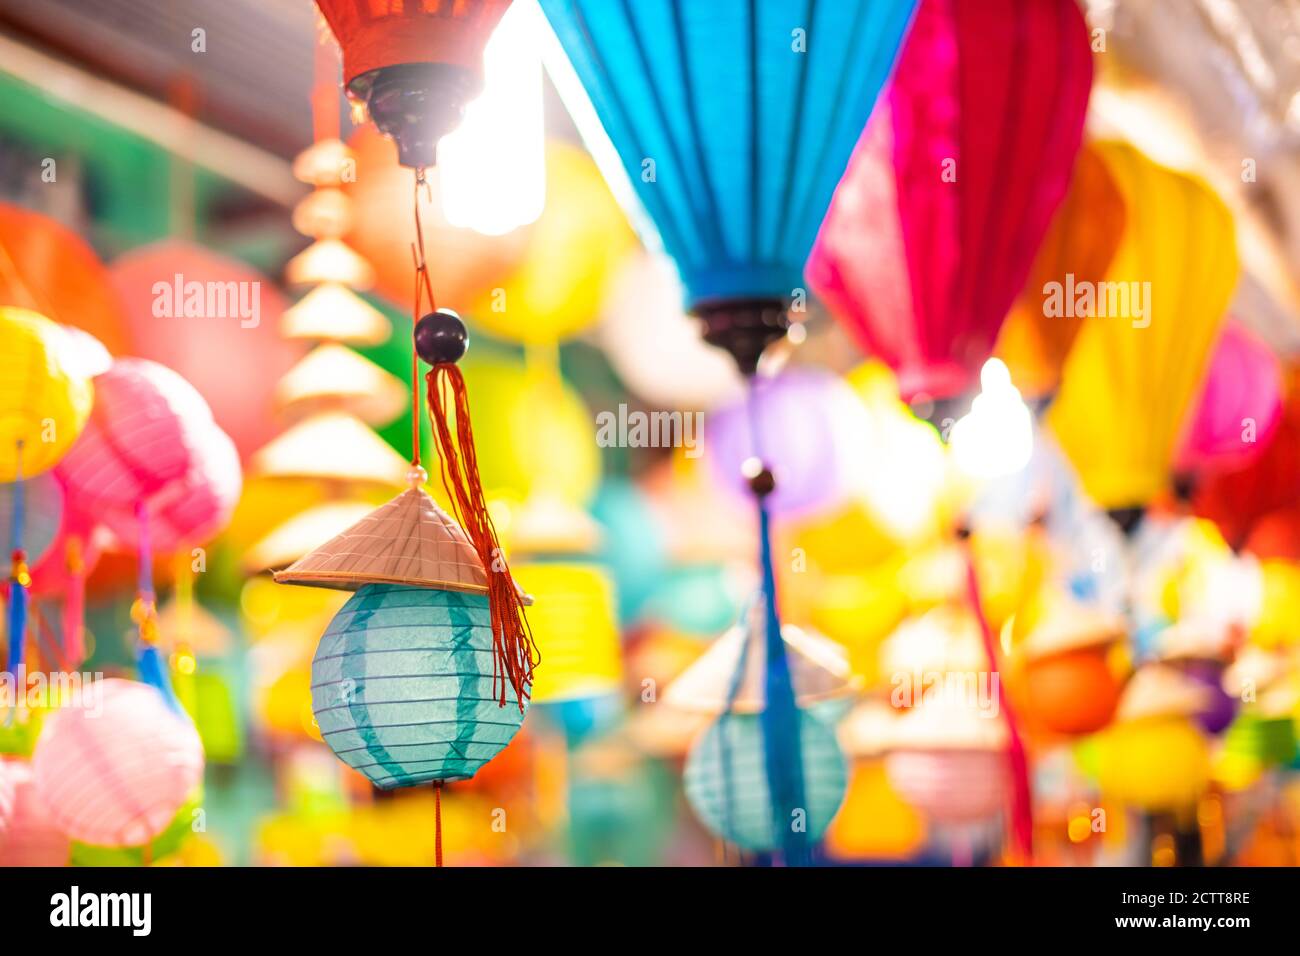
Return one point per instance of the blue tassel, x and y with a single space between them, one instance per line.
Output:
153 671
17 621
780 720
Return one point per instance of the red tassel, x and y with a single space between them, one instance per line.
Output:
515 651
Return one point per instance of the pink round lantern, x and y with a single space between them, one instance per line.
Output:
30 837
140 438
215 320
1239 407
950 786
195 508
937 220
810 427
114 768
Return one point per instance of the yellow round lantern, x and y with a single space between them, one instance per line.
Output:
573 252
42 406
1143 348
1278 624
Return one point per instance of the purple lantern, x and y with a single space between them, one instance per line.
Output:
810 426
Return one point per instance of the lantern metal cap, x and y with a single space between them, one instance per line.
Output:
408 541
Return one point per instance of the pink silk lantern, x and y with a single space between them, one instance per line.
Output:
1239 407
215 320
195 508
936 223
950 786
30 836
114 767
140 437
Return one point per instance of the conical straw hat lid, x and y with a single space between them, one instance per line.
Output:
333 377
819 670
409 540
330 445
948 723
334 312
1158 690
1068 625
289 541
550 526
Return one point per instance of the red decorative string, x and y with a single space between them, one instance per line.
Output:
1022 812
515 651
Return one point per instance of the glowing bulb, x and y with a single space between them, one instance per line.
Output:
996 437
492 168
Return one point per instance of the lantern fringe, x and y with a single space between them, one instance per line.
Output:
437 822
19 579
74 606
150 662
1022 811
515 655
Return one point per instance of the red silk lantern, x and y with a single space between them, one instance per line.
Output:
413 64
937 220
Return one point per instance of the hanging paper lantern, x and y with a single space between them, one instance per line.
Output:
191 510
56 273
414 65
732 143
727 785
214 320
43 406
1239 406
934 228
1080 242
875 822
1155 757
1071 686
114 767
573 250
402 686
809 424
140 438
1236 500
1149 344
42 514
29 836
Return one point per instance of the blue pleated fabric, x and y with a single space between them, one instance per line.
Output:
402 686
734 120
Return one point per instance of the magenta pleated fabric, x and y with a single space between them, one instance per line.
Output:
30 836
1239 406
114 767
951 189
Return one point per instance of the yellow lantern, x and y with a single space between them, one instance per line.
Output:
1278 624
42 406
1145 344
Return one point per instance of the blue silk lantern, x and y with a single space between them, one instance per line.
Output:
727 782
402 686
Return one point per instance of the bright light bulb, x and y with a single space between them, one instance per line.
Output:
492 168
996 438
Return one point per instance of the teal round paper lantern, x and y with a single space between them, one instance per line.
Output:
728 788
402 686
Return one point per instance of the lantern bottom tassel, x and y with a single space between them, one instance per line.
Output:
437 822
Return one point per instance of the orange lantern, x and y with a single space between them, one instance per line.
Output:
413 65
1070 686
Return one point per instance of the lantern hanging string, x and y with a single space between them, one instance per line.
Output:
19 578
149 659
74 604
514 650
782 746
1022 814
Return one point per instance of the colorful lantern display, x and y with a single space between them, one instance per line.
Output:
1239 405
1078 247
1148 345
937 221
29 836
728 783
113 767
43 406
